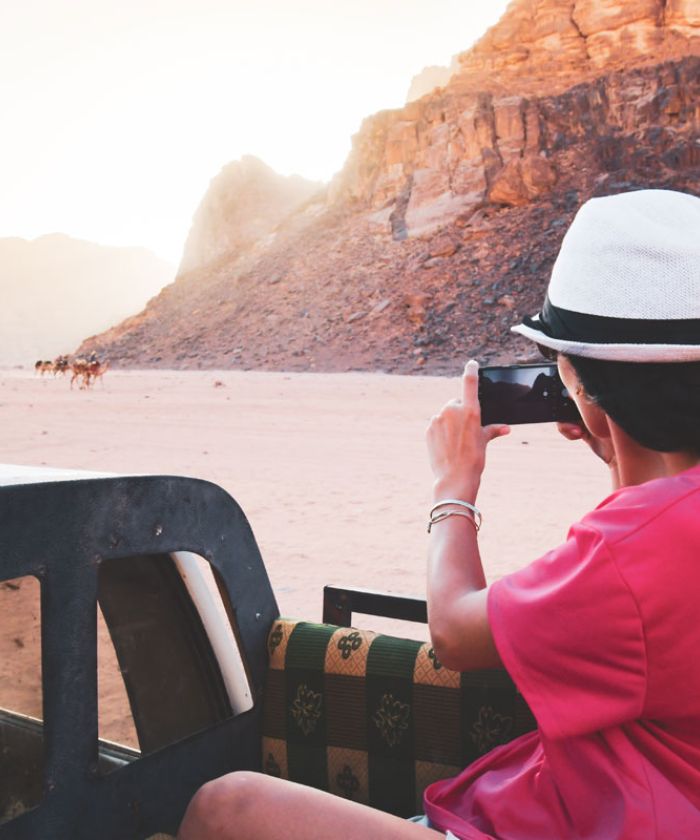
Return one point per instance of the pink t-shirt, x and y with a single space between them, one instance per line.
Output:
602 637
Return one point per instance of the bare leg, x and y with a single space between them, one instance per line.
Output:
253 806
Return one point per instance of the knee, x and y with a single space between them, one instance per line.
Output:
224 806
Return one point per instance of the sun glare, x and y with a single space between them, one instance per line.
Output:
119 114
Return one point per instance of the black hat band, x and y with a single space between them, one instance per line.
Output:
566 325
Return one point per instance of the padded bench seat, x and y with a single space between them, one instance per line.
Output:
376 718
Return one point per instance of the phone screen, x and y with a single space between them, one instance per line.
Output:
524 394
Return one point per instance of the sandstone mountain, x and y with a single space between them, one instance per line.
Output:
55 289
441 229
244 204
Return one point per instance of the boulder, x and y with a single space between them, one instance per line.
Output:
521 180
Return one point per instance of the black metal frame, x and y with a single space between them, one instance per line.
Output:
340 602
62 533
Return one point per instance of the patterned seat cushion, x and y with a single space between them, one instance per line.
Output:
376 718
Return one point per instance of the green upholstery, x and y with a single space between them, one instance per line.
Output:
376 718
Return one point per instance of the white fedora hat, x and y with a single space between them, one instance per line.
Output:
626 284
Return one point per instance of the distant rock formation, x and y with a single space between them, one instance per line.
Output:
244 204
57 289
441 229
429 79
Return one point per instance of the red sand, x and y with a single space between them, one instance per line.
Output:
330 469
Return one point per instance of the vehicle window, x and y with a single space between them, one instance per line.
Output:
116 723
168 659
21 727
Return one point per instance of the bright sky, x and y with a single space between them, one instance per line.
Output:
117 113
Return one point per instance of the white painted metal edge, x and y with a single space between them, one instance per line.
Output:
201 585
19 474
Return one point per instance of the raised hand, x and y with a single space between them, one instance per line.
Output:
457 441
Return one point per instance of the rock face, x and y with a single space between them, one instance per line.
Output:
548 42
441 230
480 138
244 203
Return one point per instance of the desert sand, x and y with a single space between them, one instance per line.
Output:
330 469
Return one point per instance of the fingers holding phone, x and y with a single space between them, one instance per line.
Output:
571 431
601 446
457 441
470 385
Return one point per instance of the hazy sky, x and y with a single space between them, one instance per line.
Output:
117 113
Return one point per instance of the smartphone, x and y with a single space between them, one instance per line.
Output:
525 394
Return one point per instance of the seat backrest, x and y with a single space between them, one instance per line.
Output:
376 718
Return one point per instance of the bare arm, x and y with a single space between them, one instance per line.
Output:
457 591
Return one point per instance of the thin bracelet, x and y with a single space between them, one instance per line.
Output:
440 516
468 505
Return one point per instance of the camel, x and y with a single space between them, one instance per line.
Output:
79 369
42 367
88 370
60 365
96 370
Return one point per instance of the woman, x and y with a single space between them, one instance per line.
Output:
601 634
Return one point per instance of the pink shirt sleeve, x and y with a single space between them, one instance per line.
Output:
568 630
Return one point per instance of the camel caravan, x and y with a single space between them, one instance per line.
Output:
85 371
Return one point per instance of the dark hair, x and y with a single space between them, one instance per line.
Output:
656 403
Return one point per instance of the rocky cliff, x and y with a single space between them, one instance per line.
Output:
441 229
489 135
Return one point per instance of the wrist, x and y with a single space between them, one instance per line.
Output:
465 491
449 508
